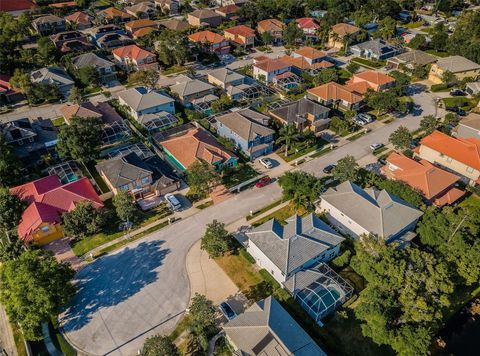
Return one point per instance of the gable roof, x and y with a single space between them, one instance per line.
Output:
267 329
190 86
86 109
51 75
270 25
387 214
335 91
79 17
133 52
296 111
343 29
195 144
243 126
241 30
225 75
457 64
206 37
307 23
124 169
204 14
139 98
462 150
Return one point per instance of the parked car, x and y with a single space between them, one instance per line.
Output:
456 110
328 169
376 146
227 311
457 92
359 121
263 182
266 162
366 117
173 202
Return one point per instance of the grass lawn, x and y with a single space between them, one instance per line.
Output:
239 174
205 205
321 152
281 214
90 90
59 121
460 101
96 176
380 150
59 341
264 209
437 53
300 149
242 272
174 69
368 63
414 24
19 340
357 135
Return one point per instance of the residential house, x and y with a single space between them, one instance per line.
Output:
458 65
8 95
300 64
411 60
229 12
204 17
211 42
188 90
112 15
310 54
184 147
48 24
71 41
309 26
267 329
355 211
459 155
274 27
246 129
17 7
240 35
376 49
175 25
435 184
129 173
133 26
468 127
303 114
342 33
370 80
133 57
266 70
105 69
108 36
302 242
47 201
53 76
142 10
171 7
79 20
224 77
336 95
473 88
238 3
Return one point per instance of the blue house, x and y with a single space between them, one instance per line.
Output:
246 128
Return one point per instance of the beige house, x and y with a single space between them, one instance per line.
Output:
458 65
338 34
204 17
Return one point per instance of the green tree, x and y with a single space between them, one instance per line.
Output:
148 78
87 75
202 178
402 81
201 323
9 165
81 139
83 221
33 288
20 80
418 42
11 247
266 38
12 32
292 33
46 51
383 101
449 78
76 96
172 48
353 67
325 76
429 124
11 210
217 240
386 28
346 169
38 93
439 37
159 346
288 134
465 37
125 208
300 187
401 138
338 125
222 104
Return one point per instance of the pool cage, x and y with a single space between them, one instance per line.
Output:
140 149
319 290
161 122
115 132
67 172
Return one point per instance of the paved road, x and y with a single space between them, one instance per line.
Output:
143 288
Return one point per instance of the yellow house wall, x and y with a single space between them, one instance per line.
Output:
42 238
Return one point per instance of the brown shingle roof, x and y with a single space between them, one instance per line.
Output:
343 29
269 65
335 91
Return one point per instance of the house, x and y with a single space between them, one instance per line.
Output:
184 147
211 42
129 173
458 155
134 26
229 12
283 250
105 69
458 65
411 60
17 7
266 70
244 127
370 80
388 217
309 26
303 114
8 95
336 95
238 3
30 139
112 15
300 64
468 127
142 10
224 77
47 201
175 25
148 106
204 17
342 33
53 76
267 329
132 57
79 20
108 36
310 54
435 184
473 88
376 49
48 24
171 7
272 26
71 41
240 35
188 90
95 33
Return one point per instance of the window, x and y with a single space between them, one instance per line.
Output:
45 229
449 159
469 169
145 180
124 187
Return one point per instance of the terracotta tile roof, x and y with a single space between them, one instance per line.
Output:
466 151
143 32
335 91
48 199
206 36
420 175
374 77
133 52
16 5
302 63
449 197
140 24
269 65
284 75
241 30
78 17
307 23
270 25
196 144
86 109
359 87
112 12
343 29
229 9
310 52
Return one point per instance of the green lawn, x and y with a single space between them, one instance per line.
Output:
205 205
356 136
239 174
437 53
300 149
281 214
242 272
59 341
414 24
19 340
461 102
96 176
264 209
59 121
173 70
343 75
368 63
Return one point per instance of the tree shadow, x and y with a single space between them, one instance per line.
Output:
111 280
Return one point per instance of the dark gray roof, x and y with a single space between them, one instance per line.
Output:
91 60
296 111
267 329
457 64
124 169
140 98
191 86
52 75
379 212
378 46
296 243
244 127
415 57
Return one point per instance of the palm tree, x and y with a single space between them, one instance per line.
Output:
288 134
309 137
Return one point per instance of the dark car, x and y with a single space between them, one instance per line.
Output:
457 110
328 169
263 182
227 311
457 92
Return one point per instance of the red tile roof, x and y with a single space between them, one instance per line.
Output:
307 23
449 197
343 29
335 91
206 36
269 65
310 52
48 199
16 5
369 79
133 52
241 30
78 17
270 25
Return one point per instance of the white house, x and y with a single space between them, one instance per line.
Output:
301 243
266 70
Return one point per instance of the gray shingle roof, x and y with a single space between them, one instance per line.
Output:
456 64
296 111
244 127
267 329
140 98
379 212
296 243
377 46
91 60
415 57
51 75
124 169
190 87
225 75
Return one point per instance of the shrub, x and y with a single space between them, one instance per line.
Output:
267 277
342 260
247 256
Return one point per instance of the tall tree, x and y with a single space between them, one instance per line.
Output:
401 138
325 76
217 240
202 324
300 187
11 210
76 96
346 169
159 346
81 139
202 178
125 208
83 221
148 78
429 124
9 165
386 28
292 33
288 134
46 51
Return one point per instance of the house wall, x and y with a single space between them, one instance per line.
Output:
47 233
436 73
189 98
467 132
264 262
341 221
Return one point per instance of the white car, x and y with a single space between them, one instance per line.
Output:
266 162
376 146
173 202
